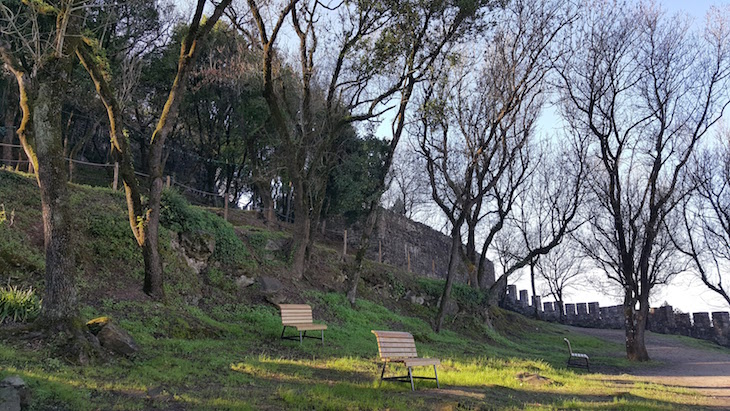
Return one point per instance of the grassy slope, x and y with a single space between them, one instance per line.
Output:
225 352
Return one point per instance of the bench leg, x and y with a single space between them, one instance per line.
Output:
322 337
300 336
382 374
282 332
410 375
437 376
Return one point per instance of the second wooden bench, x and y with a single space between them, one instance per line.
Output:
299 316
399 347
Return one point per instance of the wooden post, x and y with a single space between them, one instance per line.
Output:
344 245
225 206
408 257
409 261
115 183
380 251
168 182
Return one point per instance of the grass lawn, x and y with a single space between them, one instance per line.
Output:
232 358
214 346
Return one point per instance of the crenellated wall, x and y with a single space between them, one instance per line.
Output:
706 326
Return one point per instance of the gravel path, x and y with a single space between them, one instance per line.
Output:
706 370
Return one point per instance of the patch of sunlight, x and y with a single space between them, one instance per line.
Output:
78 383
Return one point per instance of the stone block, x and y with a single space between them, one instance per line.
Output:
512 293
702 326
721 327
524 300
537 302
683 324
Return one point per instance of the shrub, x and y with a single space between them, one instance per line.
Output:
18 305
178 215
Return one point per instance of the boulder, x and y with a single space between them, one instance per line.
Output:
270 285
9 399
271 289
116 339
276 244
14 394
198 245
243 281
97 324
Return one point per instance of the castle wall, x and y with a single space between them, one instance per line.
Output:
664 320
403 243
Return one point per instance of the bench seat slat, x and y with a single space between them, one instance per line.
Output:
307 327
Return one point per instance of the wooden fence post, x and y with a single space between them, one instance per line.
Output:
344 245
168 182
225 206
380 251
115 183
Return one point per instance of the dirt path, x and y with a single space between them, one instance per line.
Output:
707 371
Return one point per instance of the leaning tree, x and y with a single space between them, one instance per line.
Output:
145 221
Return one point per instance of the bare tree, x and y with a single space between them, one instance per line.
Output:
706 218
408 189
645 89
546 209
560 270
476 132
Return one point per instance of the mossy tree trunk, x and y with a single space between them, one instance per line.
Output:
145 224
42 84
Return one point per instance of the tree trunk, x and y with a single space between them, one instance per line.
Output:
534 289
59 300
302 233
153 280
267 202
453 266
11 111
635 324
353 276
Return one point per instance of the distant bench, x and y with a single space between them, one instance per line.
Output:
299 316
577 359
399 347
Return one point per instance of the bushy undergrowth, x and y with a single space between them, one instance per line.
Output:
18 305
178 215
464 295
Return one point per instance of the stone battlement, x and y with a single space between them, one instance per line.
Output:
664 320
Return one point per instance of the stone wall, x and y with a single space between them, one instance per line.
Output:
407 244
706 326
402 242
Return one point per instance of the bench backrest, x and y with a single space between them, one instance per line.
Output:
569 347
395 344
295 314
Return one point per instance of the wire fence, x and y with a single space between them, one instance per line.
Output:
107 175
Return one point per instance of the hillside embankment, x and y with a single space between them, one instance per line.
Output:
215 343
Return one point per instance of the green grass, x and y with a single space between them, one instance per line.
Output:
232 358
225 353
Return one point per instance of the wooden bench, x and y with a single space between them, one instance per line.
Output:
299 316
577 359
399 347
